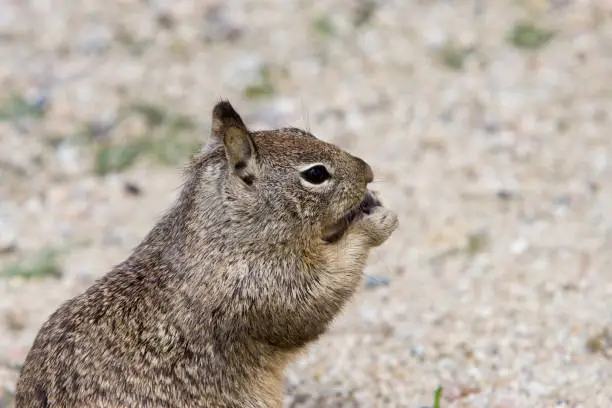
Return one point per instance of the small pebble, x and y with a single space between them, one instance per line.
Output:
8 238
505 195
132 188
376 281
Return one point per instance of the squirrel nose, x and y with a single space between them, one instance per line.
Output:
367 170
369 174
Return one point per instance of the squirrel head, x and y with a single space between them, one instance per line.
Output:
284 184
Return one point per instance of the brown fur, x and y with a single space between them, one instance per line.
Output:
224 291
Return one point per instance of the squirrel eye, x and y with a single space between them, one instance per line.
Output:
316 174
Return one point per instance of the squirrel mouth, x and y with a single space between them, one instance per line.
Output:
336 231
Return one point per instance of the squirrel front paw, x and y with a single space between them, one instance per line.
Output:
377 226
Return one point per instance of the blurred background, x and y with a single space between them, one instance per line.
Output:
488 125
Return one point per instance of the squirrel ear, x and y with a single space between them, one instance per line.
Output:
223 117
228 127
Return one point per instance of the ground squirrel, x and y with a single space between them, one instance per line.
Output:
264 246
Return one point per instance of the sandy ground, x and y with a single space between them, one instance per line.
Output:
488 124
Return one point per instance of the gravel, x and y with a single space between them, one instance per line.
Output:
487 125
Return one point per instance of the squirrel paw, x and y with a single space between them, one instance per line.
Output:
378 225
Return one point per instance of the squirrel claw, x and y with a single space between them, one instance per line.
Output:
378 225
